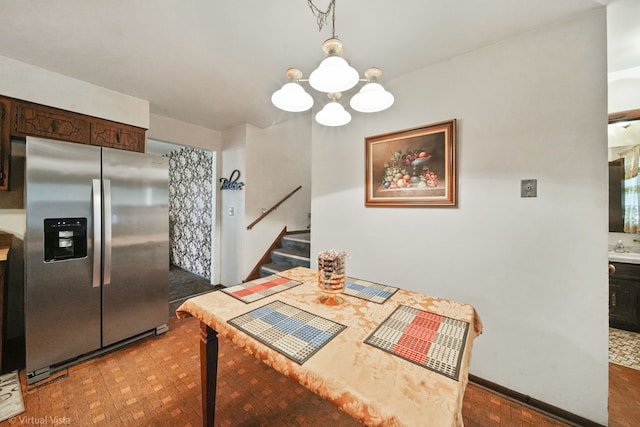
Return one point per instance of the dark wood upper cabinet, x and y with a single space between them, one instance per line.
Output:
21 119
5 144
38 120
117 135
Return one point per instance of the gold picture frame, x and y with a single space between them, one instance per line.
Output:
412 167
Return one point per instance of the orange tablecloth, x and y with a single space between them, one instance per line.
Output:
374 387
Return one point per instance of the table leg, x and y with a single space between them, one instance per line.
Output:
208 372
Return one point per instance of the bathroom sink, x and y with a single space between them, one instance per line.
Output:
628 257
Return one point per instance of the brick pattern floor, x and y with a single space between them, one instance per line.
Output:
156 382
624 348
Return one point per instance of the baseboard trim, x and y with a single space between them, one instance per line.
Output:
550 410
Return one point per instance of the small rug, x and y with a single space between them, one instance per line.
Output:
368 290
257 289
295 333
427 339
11 403
624 348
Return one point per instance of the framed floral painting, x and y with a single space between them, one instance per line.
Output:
413 167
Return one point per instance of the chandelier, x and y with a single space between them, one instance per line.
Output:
334 76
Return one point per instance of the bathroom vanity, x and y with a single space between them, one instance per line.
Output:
624 292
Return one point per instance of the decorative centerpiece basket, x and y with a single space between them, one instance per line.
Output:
331 277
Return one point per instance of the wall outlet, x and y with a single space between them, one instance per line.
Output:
529 188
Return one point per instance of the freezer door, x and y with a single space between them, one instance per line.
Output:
136 244
62 303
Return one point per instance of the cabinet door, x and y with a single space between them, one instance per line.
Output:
5 144
623 304
117 135
37 120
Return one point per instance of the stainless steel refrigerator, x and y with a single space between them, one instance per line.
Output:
96 251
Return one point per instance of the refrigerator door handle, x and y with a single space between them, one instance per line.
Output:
107 232
97 232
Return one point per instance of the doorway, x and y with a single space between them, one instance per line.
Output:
191 218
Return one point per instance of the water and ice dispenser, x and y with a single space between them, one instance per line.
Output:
65 238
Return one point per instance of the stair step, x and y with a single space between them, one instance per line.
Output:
288 254
272 268
299 237
299 242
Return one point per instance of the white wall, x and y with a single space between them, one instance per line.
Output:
534 106
13 221
178 132
624 90
272 163
232 245
278 161
624 95
30 83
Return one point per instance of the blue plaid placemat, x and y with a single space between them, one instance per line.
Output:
295 333
368 290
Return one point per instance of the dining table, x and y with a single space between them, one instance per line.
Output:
386 356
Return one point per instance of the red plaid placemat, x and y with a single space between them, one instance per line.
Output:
255 290
427 339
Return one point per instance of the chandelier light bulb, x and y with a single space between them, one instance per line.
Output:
371 99
292 97
333 114
334 75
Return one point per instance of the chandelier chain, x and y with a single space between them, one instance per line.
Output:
323 16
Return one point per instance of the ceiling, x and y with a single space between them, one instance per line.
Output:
215 63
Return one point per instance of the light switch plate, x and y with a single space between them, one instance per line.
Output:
529 188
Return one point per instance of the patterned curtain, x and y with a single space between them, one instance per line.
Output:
631 190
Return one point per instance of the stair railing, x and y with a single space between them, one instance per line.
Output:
267 212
